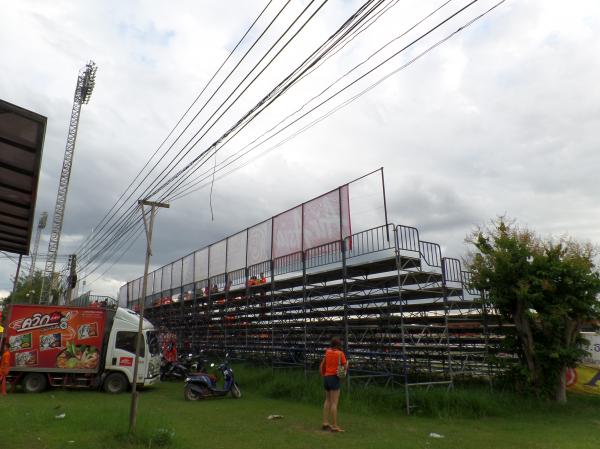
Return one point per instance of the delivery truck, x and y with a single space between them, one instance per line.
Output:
81 347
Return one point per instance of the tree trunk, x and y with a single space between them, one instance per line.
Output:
561 386
526 339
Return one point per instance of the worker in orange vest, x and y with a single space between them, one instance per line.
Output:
4 366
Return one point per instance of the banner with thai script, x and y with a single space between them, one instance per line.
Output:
56 337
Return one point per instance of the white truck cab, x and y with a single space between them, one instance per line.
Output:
120 354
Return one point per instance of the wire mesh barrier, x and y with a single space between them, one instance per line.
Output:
88 300
402 310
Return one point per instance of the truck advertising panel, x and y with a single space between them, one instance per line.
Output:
55 338
585 378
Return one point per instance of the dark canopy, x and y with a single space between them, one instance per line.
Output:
21 141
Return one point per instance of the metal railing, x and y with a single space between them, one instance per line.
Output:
370 241
323 255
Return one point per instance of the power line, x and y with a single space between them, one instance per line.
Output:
370 71
256 65
374 68
274 96
104 220
194 182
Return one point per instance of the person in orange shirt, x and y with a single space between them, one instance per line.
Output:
333 358
4 366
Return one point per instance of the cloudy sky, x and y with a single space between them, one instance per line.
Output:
501 119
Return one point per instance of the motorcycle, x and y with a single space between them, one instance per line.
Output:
173 370
203 385
193 363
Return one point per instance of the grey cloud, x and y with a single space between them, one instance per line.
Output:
501 119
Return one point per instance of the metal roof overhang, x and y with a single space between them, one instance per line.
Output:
22 135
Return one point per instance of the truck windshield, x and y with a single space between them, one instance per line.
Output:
153 343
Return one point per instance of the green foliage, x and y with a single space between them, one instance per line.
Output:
548 289
468 401
29 293
95 420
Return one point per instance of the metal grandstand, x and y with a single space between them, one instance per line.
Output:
404 311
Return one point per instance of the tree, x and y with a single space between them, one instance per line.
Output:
29 293
548 289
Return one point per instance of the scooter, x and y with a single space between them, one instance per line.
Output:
203 385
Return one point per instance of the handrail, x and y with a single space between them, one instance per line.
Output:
325 254
452 270
407 238
261 268
468 283
236 277
287 264
370 241
431 253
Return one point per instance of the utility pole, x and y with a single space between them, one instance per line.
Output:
40 227
148 228
83 91
72 279
17 274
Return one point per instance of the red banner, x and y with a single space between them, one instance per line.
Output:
56 337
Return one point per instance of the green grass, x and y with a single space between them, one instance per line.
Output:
472 418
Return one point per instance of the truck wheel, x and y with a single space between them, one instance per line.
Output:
236 392
34 383
115 383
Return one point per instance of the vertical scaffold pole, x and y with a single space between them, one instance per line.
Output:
402 332
385 205
446 316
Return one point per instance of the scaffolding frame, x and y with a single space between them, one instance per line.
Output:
405 313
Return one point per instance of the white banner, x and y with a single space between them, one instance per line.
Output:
188 269
201 265
166 277
236 251
176 274
217 255
287 233
157 281
259 243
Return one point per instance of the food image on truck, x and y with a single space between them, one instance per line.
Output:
88 330
78 357
19 342
50 341
64 338
26 358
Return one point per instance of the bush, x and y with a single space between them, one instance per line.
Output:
466 400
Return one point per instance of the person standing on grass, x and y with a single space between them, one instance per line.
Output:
334 358
4 367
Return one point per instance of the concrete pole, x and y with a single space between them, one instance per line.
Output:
17 274
148 228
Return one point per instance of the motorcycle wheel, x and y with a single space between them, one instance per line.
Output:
236 392
190 395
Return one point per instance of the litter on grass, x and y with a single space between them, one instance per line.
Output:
435 435
275 417
61 416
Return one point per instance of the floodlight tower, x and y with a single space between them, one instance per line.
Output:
40 227
83 92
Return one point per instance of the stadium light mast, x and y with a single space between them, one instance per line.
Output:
38 234
83 91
